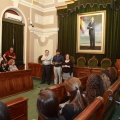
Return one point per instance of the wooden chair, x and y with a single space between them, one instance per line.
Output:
92 111
72 59
39 59
81 61
105 63
93 62
60 91
117 65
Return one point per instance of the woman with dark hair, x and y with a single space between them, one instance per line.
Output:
67 68
94 87
4 112
76 104
48 105
106 78
113 73
3 66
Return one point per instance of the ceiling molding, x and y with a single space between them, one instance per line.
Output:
65 6
69 1
61 7
30 5
43 31
43 3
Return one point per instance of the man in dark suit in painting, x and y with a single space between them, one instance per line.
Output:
91 27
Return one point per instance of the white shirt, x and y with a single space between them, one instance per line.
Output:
48 61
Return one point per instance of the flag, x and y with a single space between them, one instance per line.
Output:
82 25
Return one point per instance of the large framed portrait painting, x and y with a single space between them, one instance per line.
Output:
91 32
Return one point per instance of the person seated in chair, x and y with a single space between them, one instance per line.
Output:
113 74
94 87
48 105
77 102
12 66
3 66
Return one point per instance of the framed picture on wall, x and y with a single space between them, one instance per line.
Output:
91 32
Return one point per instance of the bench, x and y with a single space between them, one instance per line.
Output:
105 111
18 108
15 82
92 111
60 90
110 96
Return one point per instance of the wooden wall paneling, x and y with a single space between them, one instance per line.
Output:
14 82
80 72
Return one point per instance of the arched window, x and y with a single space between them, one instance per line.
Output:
13 34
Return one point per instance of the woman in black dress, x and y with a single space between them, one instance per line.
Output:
67 68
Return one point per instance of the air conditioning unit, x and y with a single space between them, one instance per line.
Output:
13 17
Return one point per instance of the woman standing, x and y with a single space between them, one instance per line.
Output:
67 68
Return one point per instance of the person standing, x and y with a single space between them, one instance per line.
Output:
46 61
91 27
9 54
57 62
67 68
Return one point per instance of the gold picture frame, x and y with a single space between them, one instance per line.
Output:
91 32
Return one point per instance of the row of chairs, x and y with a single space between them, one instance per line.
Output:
92 62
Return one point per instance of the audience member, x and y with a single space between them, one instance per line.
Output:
77 102
12 66
3 66
46 61
48 105
67 67
113 73
9 54
4 112
57 62
106 79
94 87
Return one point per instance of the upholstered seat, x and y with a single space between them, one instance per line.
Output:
105 63
81 61
72 59
93 62
39 59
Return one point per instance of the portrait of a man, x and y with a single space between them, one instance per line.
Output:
91 33
91 27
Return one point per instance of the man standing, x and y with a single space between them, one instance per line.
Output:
46 61
91 27
9 54
57 62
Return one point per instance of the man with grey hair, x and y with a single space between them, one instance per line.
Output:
46 61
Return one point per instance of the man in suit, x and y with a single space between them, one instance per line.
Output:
91 27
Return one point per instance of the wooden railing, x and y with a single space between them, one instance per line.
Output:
18 108
92 111
15 82
77 71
